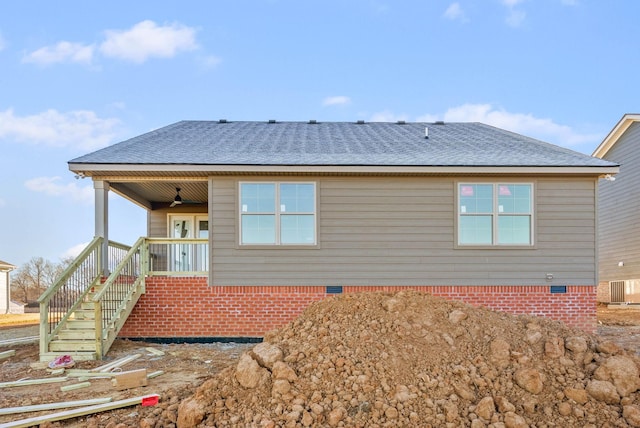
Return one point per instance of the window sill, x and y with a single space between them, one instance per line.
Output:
494 247
277 247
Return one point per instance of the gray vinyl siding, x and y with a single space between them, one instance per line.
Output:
619 211
401 231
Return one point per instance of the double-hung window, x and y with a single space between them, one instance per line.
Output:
495 214
277 213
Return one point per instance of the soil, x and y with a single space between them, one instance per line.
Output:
374 360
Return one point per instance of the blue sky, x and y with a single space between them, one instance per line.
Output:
76 76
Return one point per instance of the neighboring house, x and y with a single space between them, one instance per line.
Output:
291 212
6 305
619 205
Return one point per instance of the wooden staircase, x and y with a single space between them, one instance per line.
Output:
82 312
78 337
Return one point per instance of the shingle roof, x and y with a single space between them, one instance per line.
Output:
336 143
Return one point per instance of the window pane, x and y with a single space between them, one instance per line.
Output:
182 229
476 198
297 229
258 229
514 229
475 230
257 197
514 198
297 198
203 229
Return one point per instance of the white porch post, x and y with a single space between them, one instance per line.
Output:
102 220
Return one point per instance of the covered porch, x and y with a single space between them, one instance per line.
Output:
83 312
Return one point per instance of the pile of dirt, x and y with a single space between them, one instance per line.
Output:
411 359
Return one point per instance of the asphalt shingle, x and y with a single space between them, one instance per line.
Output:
336 143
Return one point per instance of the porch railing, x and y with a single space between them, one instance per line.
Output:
178 256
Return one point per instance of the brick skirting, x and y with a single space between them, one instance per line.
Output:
188 307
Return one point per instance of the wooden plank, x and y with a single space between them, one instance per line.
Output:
86 378
7 354
84 375
130 379
75 386
68 414
155 351
33 382
39 365
155 374
88 374
53 406
117 363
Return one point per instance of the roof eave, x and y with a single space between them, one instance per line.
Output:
615 134
90 170
6 267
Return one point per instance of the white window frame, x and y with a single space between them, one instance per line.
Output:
278 214
194 218
495 214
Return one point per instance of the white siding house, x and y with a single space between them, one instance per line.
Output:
6 305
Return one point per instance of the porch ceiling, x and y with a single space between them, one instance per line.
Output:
160 194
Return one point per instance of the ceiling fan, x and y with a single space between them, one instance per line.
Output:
177 200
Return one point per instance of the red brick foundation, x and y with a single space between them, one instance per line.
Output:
188 307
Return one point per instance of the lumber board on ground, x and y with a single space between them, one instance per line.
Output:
75 386
155 374
80 373
131 379
82 411
54 406
33 382
115 364
154 351
7 354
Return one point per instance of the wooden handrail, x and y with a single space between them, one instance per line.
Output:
177 240
48 293
132 251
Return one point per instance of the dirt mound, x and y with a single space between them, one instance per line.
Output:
411 359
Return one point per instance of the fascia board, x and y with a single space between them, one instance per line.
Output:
96 169
615 134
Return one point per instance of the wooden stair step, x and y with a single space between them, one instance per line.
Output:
77 356
80 324
76 334
84 314
69 346
87 306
